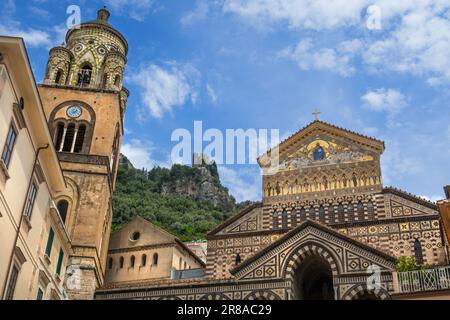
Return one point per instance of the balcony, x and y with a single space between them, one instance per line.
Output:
422 281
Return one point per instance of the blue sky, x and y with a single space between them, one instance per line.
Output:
378 67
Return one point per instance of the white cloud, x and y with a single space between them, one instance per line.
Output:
32 37
397 163
140 154
317 14
166 87
414 36
201 11
387 100
244 184
308 57
211 93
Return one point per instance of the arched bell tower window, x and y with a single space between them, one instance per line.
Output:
58 77
418 252
351 212
155 259
319 153
117 80
68 138
84 76
71 136
105 81
63 206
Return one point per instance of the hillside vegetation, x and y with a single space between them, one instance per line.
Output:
186 201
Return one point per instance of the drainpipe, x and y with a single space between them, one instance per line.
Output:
8 270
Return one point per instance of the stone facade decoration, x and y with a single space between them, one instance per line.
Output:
324 215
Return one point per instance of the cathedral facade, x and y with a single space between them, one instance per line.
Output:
326 228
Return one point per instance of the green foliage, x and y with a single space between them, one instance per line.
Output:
409 264
138 193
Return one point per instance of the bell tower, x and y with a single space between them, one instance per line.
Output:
85 102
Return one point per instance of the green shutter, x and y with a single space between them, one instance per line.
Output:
48 250
60 260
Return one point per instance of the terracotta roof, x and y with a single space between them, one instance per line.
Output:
410 196
329 125
320 226
234 217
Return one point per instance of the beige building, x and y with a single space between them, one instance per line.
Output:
34 240
60 146
141 251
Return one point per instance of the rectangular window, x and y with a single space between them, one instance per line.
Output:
48 249
30 199
9 145
12 283
60 260
40 294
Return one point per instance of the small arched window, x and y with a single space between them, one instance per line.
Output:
312 213
318 153
237 259
63 206
321 214
418 252
155 259
294 217
68 140
275 219
351 212
58 77
331 216
341 213
121 262
144 260
117 80
105 81
84 76
302 214
360 208
370 210
284 219
80 139
110 263
132 261
59 135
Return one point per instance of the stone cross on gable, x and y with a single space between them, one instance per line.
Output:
316 114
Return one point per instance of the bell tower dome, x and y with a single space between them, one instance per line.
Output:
85 101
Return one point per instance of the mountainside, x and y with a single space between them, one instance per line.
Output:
187 201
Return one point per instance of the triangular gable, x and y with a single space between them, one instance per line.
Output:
296 141
349 255
149 234
234 224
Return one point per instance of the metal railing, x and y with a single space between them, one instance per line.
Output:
422 280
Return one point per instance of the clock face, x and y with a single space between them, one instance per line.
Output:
74 112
